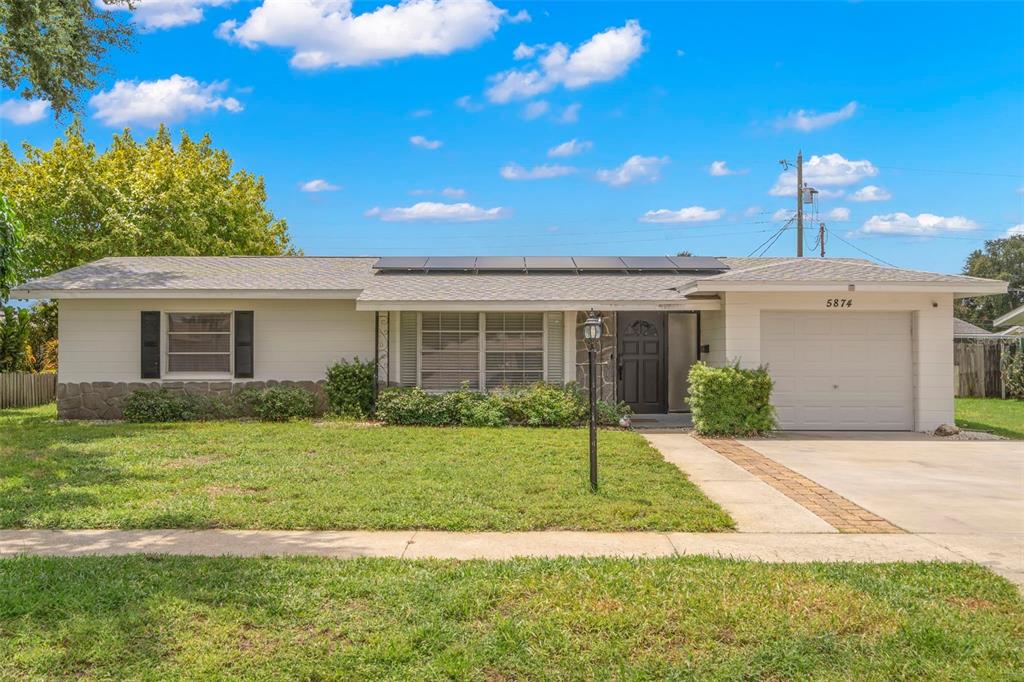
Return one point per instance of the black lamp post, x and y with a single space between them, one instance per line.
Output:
592 335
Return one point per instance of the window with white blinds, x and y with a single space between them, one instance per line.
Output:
481 351
449 351
199 343
514 349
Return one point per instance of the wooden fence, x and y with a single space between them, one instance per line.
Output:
977 364
21 389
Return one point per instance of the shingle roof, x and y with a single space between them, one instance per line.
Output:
199 273
827 270
964 328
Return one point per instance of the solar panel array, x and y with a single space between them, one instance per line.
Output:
550 264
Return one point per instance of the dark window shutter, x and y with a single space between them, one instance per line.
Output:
243 344
150 344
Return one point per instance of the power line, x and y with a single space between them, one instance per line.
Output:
869 255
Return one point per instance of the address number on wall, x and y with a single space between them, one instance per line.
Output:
838 302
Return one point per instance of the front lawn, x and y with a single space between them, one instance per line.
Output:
682 618
334 475
1005 417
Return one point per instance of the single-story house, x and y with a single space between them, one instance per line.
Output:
849 343
1012 323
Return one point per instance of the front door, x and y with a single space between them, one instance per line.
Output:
641 363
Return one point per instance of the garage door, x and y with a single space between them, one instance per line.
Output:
840 370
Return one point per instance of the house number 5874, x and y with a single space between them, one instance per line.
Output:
838 302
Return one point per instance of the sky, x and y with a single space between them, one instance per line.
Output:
471 127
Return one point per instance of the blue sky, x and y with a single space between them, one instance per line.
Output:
921 104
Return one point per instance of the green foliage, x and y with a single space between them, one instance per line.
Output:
15 327
42 336
349 388
164 406
12 234
1001 259
148 198
281 404
51 49
1013 369
729 401
536 405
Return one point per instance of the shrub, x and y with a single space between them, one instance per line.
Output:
349 388
546 405
729 401
163 406
1013 370
409 406
609 414
280 403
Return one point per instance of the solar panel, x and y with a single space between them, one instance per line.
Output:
500 263
451 263
400 263
598 262
698 263
648 263
550 263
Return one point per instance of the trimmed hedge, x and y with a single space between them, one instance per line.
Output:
349 388
540 404
279 403
729 401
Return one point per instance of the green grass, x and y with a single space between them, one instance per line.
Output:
197 618
334 475
1005 417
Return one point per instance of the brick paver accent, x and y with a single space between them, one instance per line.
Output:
834 509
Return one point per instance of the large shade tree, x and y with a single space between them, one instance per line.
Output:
148 198
1000 259
53 49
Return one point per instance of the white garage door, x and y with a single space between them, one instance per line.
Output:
840 369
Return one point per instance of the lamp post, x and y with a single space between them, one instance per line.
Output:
592 335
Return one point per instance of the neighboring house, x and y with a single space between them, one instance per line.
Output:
965 330
1013 322
850 344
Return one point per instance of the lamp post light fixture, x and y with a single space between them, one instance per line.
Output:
592 335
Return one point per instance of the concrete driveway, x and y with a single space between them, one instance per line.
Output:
966 495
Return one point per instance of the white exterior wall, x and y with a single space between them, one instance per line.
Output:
294 340
712 334
932 337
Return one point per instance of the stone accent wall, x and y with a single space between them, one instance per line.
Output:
102 399
606 360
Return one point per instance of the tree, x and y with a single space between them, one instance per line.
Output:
1001 259
14 331
11 237
52 49
147 198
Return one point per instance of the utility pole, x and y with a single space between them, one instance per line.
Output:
821 238
800 203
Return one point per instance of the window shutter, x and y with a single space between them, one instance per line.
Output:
243 344
556 348
150 349
409 340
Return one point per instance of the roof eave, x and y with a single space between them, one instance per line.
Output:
370 305
1010 319
958 289
23 293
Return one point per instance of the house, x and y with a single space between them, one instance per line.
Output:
1011 324
849 343
965 330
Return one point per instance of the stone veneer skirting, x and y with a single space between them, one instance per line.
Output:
102 399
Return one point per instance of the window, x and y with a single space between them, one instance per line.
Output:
514 349
199 343
483 351
449 351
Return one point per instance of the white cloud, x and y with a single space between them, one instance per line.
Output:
752 211
570 148
824 171
324 33
153 15
720 168
438 212
691 214
1015 231
424 143
520 17
636 169
921 225
524 51
604 57
783 214
453 192
514 171
807 121
466 102
571 113
871 193
161 101
318 185
535 109
839 214
22 111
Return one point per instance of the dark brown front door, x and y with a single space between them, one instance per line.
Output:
642 361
